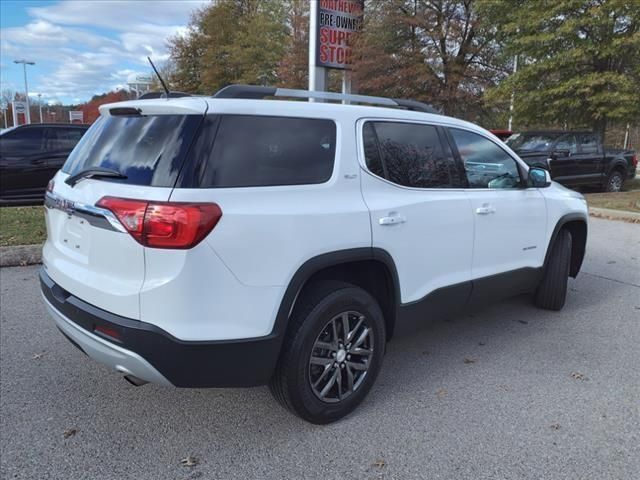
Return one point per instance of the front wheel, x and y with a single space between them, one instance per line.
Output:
332 352
552 290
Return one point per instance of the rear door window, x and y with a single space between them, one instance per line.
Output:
149 150
260 151
409 154
588 143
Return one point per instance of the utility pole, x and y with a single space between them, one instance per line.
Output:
40 105
513 95
26 87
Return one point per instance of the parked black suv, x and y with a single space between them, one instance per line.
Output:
576 158
30 155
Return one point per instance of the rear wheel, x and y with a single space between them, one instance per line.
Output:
552 290
614 182
332 353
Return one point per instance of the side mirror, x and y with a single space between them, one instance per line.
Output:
538 178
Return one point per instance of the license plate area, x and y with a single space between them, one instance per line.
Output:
75 235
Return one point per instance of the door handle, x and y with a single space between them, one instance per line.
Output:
485 209
392 219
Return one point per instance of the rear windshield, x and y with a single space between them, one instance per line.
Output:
149 150
259 151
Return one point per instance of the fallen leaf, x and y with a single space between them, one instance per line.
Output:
611 262
36 356
442 392
469 360
189 461
524 322
70 432
379 463
555 426
426 352
482 344
578 376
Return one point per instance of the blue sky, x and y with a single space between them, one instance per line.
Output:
85 47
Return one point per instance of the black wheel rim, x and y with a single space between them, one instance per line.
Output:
615 183
341 356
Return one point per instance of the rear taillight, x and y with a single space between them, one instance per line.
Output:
164 224
50 186
634 161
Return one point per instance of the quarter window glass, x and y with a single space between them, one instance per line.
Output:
487 165
252 151
567 142
371 150
588 143
412 155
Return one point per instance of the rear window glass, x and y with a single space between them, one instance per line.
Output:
252 151
149 150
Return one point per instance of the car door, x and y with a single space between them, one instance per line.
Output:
22 159
509 219
563 162
420 214
590 158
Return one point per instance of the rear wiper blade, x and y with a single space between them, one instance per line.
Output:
93 172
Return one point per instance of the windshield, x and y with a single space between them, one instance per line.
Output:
534 142
147 150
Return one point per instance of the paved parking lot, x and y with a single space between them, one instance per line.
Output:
506 392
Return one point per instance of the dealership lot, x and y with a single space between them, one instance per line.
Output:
506 392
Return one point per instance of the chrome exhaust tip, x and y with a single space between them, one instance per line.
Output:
135 381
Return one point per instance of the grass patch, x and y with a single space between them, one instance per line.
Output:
22 226
629 201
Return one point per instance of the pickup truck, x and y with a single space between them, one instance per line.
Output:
576 158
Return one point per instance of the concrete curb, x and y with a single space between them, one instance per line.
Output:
20 255
608 214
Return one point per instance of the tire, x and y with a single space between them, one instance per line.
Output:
615 180
552 290
311 324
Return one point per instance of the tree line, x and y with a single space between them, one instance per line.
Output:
578 60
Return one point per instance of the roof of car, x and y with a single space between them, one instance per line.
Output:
65 125
276 108
553 132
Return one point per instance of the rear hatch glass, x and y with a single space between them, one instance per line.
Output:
148 150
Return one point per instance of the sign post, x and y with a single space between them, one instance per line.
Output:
76 115
19 108
333 26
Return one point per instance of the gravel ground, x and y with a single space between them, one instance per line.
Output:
506 392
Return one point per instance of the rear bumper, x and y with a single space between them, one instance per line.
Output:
149 353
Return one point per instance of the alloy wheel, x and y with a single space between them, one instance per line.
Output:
341 356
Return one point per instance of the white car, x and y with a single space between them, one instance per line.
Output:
233 240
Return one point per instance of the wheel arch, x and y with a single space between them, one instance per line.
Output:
576 224
371 269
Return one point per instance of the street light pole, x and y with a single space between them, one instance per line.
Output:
40 106
26 87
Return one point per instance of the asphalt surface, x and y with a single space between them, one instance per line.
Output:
506 392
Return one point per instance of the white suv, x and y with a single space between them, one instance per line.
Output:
233 241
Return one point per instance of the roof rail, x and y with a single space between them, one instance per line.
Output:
149 95
257 92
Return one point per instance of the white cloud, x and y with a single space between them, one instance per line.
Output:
117 15
82 48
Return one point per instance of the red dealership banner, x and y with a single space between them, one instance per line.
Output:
338 23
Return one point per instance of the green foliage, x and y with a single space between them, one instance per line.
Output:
579 60
230 41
